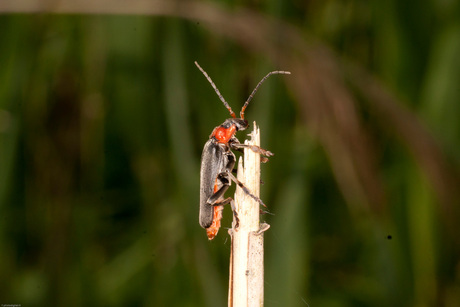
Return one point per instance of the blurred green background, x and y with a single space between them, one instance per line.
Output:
103 119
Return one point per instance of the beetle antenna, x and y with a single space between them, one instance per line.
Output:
257 87
217 91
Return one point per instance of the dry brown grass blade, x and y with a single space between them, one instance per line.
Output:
407 127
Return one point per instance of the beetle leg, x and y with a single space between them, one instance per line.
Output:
254 148
235 144
225 183
230 201
245 189
216 198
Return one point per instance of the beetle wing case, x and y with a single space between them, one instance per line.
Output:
211 165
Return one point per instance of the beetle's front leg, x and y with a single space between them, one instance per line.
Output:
235 144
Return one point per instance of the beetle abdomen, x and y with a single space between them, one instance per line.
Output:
212 230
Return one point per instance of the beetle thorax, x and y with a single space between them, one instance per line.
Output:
227 130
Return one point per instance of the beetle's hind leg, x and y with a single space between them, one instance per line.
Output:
216 199
230 201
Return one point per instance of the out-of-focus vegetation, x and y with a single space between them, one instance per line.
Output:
103 118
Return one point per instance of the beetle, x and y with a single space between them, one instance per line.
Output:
218 160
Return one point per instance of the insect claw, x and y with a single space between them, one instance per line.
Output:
262 228
265 212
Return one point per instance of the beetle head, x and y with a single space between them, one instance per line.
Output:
239 123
